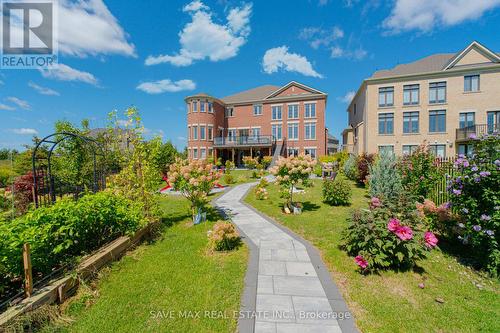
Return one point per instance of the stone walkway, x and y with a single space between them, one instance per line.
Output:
294 291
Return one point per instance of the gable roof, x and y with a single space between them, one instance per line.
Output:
251 95
294 83
477 46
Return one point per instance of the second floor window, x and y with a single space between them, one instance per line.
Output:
437 92
276 112
202 133
293 131
256 132
210 132
229 112
437 121
231 134
310 131
471 83
411 94
310 110
386 123
410 122
202 106
466 119
210 107
195 106
386 96
195 132
293 111
277 131
257 110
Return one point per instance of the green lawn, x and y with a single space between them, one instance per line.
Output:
240 176
176 273
392 301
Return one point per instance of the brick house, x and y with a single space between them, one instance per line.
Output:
264 121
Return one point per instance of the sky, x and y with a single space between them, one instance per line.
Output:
151 54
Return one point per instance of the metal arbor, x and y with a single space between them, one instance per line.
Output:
46 186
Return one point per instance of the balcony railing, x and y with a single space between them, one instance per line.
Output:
234 141
469 133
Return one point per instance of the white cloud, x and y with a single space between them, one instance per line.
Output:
24 131
355 54
279 58
6 107
203 38
424 15
63 72
347 98
317 37
19 102
161 86
181 138
43 90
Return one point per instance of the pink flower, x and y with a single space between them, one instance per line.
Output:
375 203
393 224
404 233
430 239
361 262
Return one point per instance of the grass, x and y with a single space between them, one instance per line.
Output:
148 289
240 176
392 301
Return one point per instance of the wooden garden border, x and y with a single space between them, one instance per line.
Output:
58 290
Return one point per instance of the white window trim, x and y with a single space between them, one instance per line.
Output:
277 122
310 121
261 110
281 104
315 130
298 131
293 121
293 103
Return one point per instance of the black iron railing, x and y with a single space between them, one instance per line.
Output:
471 132
258 140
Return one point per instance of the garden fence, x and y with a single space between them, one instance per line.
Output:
440 193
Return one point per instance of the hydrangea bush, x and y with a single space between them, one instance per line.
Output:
474 193
293 171
223 237
390 234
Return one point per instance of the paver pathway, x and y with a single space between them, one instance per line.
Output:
293 294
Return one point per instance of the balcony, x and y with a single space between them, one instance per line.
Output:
244 141
464 134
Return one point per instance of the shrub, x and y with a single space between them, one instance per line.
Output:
420 172
263 182
249 162
266 161
350 168
437 218
336 192
23 192
475 197
228 179
389 235
318 170
6 174
363 163
69 228
229 165
385 178
223 237
261 193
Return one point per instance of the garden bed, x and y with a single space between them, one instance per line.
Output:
455 298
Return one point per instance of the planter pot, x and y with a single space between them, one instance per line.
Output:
199 217
297 210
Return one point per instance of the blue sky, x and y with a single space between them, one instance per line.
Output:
152 54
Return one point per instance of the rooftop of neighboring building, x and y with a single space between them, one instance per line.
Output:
255 94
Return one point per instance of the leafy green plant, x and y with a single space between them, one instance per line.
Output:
266 161
337 192
250 162
363 164
385 178
351 167
229 166
223 237
228 178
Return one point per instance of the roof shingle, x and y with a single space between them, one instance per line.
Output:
255 94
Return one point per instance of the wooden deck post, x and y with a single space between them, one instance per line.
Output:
28 274
233 155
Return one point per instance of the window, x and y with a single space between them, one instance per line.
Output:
210 107
256 132
202 106
310 110
386 123
276 130
386 96
466 119
411 94
465 149
293 111
203 153
276 112
189 133
195 132
437 92
471 83
202 133
438 150
210 132
310 151
229 112
231 135
389 149
410 122
293 152
195 153
257 110
409 149
293 131
210 152
310 131
195 106
437 121
493 120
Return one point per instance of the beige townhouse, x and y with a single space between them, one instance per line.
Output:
444 99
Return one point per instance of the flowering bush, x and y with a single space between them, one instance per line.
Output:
265 162
250 162
475 197
194 179
228 179
420 172
385 178
223 237
363 163
438 218
388 235
229 165
293 171
261 193
336 192
350 168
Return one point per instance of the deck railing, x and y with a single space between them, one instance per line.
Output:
234 141
470 132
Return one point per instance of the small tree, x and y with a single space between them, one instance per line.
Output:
292 171
385 178
194 179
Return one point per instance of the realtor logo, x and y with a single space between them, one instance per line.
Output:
28 34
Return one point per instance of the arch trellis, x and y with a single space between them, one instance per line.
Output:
45 188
